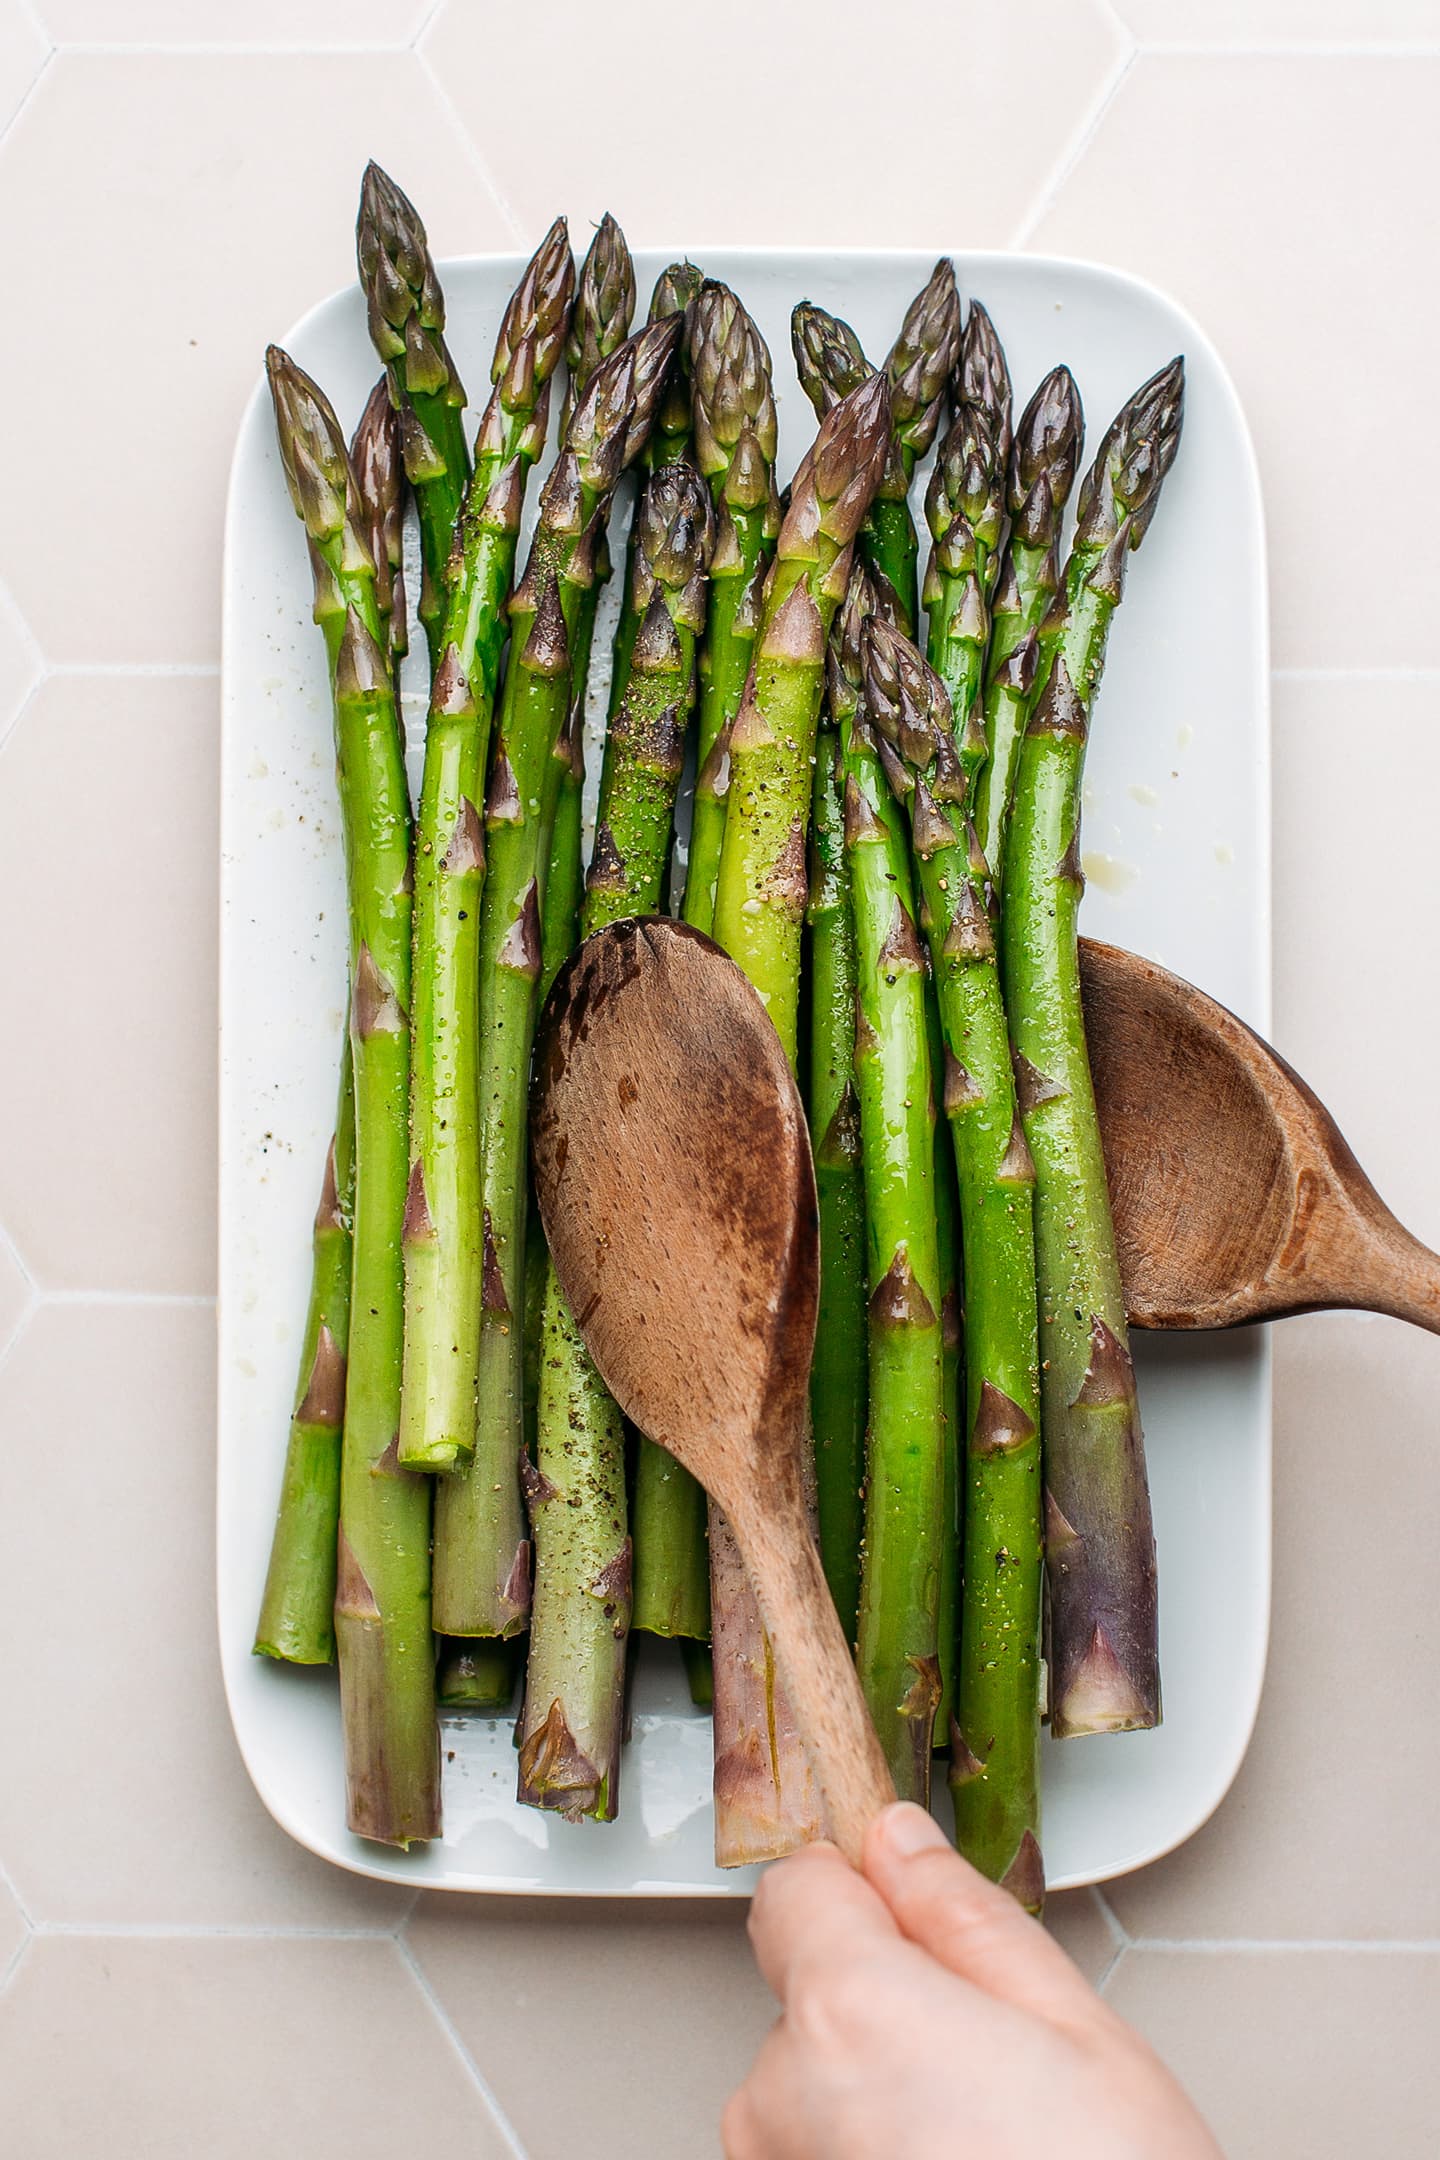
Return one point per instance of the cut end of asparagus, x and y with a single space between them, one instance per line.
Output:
919 362
1044 458
829 359
402 292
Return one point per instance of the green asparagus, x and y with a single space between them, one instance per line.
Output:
442 1215
482 1555
382 1598
994 1773
735 449
1100 1547
407 324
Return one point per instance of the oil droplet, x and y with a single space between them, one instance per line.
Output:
1224 853
1184 737
1145 796
1103 870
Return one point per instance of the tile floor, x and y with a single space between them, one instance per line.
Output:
178 178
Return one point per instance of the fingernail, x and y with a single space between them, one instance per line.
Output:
908 1829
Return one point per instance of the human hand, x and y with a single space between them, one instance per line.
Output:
922 2011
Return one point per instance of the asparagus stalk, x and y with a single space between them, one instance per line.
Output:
994 1773
1100 1547
831 363
297 1622
443 1256
382 1600
571 1726
839 1377
477 1676
482 1555
965 510
1043 458
765 1797
604 307
735 432
407 324
898 1639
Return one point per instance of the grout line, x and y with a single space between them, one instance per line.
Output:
1102 1985
8 727
447 2025
8 1880
157 49
1079 144
28 637
29 9
16 1960
1118 1934
423 28
39 76
477 157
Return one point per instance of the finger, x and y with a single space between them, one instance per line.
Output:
762 2121
968 1924
813 1903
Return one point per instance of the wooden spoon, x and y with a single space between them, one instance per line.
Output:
1234 1193
672 1167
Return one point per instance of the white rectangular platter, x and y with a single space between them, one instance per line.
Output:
1177 850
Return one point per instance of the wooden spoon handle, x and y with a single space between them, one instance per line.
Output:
815 1665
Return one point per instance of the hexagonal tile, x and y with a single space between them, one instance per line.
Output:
1083 1932
243 173
108 906
231 2049
877 178
269 24
1300 264
23 52
1236 24
19 664
1306 2052
129 1802
650 2055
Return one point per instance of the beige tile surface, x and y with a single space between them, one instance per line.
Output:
14 1931
1079 1924
108 833
630 1987
273 25
897 185
1299 2055
154 2050
180 211
1245 24
1219 180
128 1803
19 663
23 53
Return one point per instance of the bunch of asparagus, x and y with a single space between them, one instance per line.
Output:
886 839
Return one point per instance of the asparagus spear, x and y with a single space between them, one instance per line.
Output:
296 1621
1043 458
839 1376
898 1640
765 1798
376 452
982 376
407 324
994 1740
570 1729
735 450
831 363
1100 1548
382 1600
482 1558
965 509
671 443
604 306
442 1217
477 1675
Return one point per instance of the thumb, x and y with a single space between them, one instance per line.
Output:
968 1924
